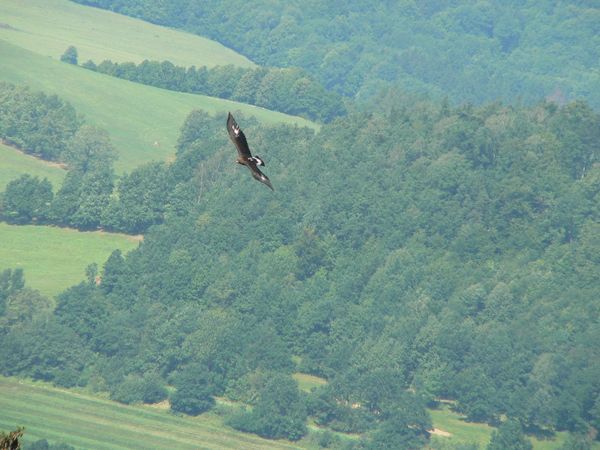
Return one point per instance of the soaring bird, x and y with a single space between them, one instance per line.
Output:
245 158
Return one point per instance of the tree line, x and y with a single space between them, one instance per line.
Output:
292 91
455 259
36 123
90 196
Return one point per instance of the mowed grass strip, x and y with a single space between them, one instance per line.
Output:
48 27
53 258
91 422
471 432
14 163
143 121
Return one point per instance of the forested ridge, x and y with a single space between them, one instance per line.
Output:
419 252
478 51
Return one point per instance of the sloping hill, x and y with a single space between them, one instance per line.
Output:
48 27
15 163
468 51
94 423
143 121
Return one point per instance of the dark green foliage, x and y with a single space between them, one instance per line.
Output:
509 435
113 271
26 199
140 200
86 190
194 390
70 55
405 425
279 411
36 123
577 442
468 51
134 389
291 91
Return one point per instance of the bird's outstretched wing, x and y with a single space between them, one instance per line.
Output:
258 175
238 138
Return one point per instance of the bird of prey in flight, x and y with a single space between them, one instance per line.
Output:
245 158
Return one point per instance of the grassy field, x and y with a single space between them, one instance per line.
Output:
143 121
15 163
480 433
54 259
90 422
48 27
306 382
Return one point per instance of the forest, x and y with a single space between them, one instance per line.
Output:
470 51
457 261
435 242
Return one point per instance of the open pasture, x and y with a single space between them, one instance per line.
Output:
53 258
48 27
89 422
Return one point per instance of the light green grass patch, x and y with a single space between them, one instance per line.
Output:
14 163
143 121
48 27
54 259
90 422
307 382
462 431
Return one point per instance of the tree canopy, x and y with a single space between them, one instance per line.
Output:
455 258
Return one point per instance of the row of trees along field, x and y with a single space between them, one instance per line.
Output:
90 197
291 91
418 252
514 50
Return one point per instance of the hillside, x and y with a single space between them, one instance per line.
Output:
48 27
143 426
456 259
143 122
16 163
90 422
465 50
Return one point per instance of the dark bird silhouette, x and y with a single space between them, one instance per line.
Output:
245 158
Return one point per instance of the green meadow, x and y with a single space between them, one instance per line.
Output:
54 259
48 27
307 382
90 422
143 121
461 431
15 163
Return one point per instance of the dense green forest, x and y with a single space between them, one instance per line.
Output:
36 123
419 252
517 50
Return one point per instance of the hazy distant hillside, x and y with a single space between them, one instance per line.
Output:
470 51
